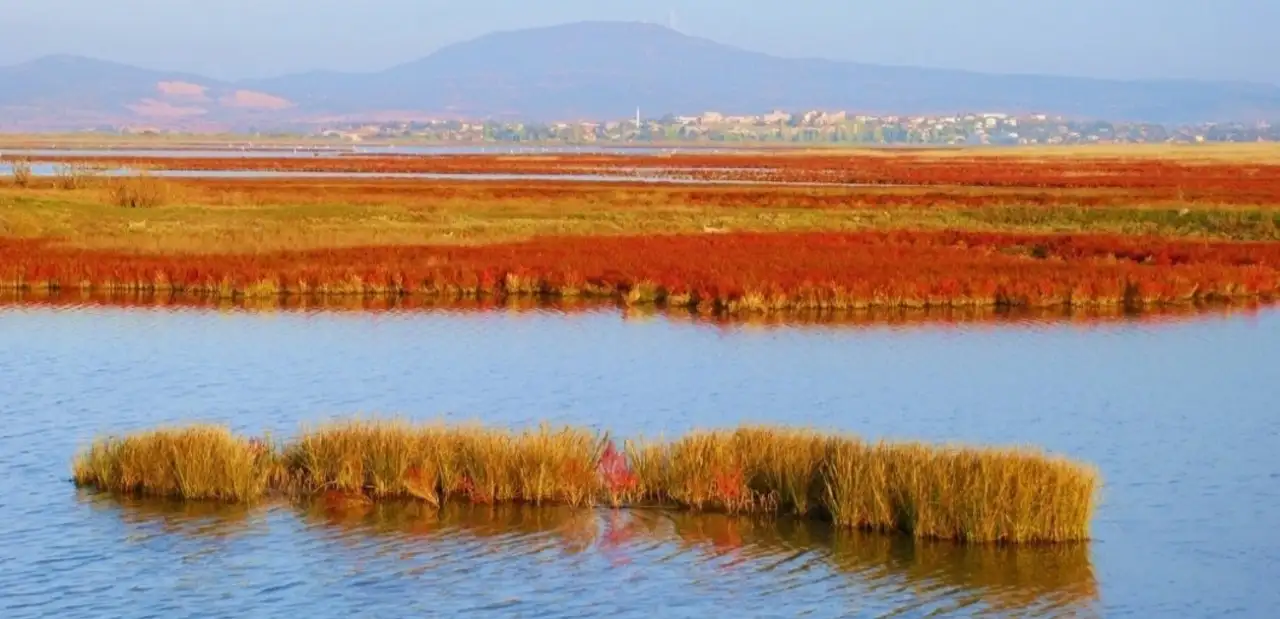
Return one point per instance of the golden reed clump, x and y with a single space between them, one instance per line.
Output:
198 462
956 493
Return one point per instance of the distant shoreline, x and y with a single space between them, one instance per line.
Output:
1256 151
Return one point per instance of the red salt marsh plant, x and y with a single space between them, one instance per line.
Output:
964 494
618 480
734 273
576 196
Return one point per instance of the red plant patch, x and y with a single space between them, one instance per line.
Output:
619 480
728 486
722 272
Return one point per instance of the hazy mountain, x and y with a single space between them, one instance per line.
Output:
606 70
70 92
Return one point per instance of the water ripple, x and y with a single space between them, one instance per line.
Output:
1177 532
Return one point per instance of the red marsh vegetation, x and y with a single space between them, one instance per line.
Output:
717 273
627 195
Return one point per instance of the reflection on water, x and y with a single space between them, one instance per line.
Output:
1178 414
44 169
146 516
273 152
871 573
971 317
202 153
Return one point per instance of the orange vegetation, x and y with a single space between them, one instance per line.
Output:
967 231
630 195
719 273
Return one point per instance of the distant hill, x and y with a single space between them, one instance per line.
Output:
606 69
603 70
70 92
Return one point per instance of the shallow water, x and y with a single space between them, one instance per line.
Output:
1179 416
203 153
44 169
236 152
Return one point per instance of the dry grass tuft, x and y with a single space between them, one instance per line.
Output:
198 462
140 191
963 494
21 172
388 459
954 493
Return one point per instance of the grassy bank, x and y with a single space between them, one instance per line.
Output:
964 494
163 216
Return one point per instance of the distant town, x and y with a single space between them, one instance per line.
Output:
813 127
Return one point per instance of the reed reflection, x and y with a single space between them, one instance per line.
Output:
776 555
968 318
205 520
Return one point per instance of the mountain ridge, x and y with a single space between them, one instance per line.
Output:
598 70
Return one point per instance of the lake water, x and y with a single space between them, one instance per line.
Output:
45 169
235 151
50 169
642 175
1180 416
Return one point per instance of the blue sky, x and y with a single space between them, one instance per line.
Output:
1230 39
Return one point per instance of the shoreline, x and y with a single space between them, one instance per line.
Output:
638 297
411 304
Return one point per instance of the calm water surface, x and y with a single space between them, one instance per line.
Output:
235 151
1180 417
45 169
51 169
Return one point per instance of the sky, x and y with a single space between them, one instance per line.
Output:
231 39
